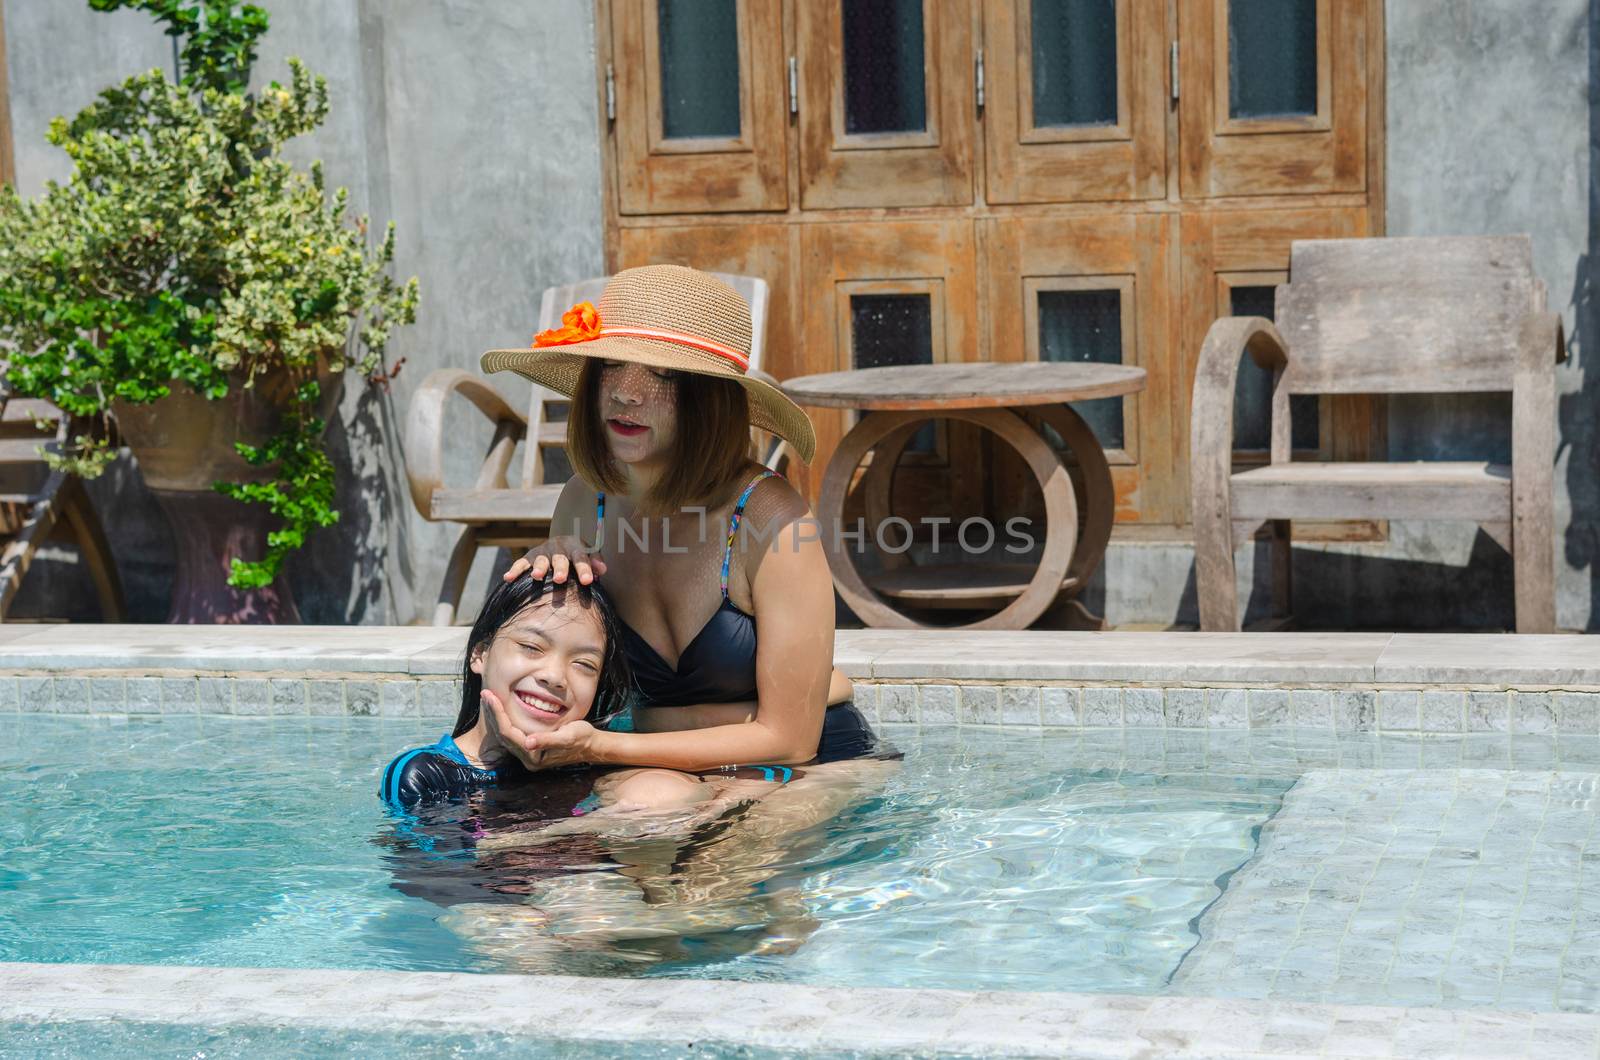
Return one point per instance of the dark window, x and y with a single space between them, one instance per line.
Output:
699 68
1272 58
1252 389
1079 326
1074 62
888 329
885 89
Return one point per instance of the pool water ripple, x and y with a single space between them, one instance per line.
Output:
985 862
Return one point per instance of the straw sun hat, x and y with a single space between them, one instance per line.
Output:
664 316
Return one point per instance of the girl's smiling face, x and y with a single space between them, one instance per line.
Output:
544 664
639 410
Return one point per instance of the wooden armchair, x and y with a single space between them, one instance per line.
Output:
37 504
492 512
1384 316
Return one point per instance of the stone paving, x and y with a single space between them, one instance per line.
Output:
1453 887
700 1017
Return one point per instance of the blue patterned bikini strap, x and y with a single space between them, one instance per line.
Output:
733 523
599 510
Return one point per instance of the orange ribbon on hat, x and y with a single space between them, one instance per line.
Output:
581 323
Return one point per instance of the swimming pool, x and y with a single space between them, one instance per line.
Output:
231 843
1238 849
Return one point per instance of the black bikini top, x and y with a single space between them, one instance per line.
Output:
719 664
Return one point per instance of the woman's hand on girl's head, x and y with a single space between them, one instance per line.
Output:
558 557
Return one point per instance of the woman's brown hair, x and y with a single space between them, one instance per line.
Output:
709 455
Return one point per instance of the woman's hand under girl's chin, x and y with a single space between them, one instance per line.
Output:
566 745
570 745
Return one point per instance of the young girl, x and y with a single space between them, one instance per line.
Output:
551 655
542 655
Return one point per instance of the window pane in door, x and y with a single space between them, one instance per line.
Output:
1252 389
885 85
1080 326
1074 62
890 329
1272 58
699 68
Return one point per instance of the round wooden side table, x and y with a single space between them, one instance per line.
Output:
1015 402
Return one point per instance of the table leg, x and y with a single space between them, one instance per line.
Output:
1061 512
877 485
1099 498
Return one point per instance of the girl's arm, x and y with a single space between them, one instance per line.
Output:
793 596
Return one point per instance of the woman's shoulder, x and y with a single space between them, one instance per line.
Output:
772 496
774 512
577 488
575 506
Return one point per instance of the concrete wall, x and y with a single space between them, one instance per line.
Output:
473 126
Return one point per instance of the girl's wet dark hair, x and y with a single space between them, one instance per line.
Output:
506 601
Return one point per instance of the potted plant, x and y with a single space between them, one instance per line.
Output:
192 292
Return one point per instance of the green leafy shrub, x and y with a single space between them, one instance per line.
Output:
185 249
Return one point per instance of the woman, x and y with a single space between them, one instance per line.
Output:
699 545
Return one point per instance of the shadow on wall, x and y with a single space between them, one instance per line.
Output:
352 571
1335 590
1579 439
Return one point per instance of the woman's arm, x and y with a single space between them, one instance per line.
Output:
706 715
793 602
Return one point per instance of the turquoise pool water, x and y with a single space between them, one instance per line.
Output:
987 861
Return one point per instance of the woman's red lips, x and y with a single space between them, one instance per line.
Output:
626 428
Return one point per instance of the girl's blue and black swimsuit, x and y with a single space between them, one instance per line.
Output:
441 772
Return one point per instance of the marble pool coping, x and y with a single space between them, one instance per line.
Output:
1466 659
693 1014
1340 682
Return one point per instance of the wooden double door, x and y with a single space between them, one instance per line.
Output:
1003 180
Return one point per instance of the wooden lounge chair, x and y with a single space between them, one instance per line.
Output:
1385 316
492 512
38 504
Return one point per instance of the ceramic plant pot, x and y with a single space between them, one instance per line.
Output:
184 443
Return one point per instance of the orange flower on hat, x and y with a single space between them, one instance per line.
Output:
581 323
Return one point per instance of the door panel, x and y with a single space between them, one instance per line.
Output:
886 102
1273 96
1095 288
861 283
1074 104
701 109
